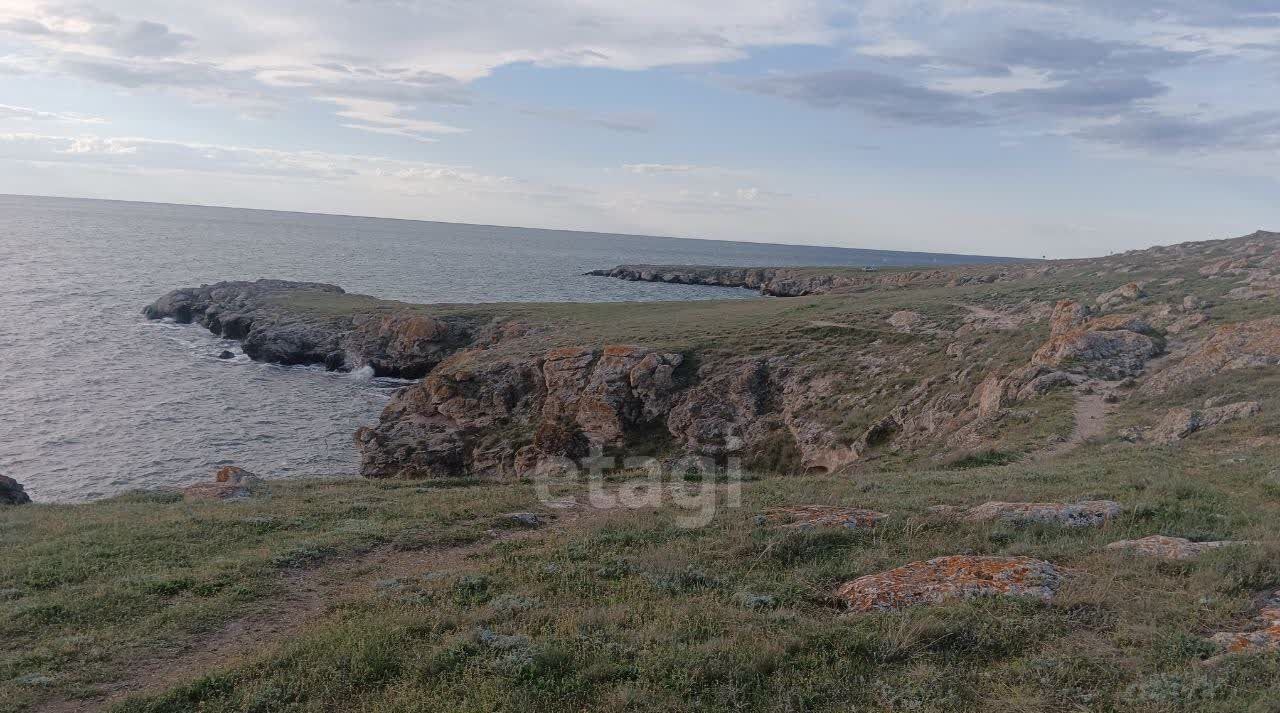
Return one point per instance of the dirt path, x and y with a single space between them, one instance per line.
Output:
1090 416
310 595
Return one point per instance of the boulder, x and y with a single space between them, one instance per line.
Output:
225 354
1087 513
521 519
1265 638
233 474
1111 347
12 492
1120 295
1171 548
951 578
1067 315
807 517
1180 423
229 483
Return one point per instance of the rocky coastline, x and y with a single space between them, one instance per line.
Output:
937 369
803 281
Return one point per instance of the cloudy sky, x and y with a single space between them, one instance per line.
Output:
1023 127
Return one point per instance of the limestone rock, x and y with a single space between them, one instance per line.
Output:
1243 345
1125 293
950 578
1264 638
1111 347
1171 548
403 345
1087 513
12 492
229 483
1180 423
1187 323
905 320
1067 315
232 474
807 517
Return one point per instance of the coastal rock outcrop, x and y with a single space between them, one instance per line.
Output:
285 322
12 492
489 414
801 281
229 483
949 578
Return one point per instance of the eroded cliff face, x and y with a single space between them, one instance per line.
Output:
921 377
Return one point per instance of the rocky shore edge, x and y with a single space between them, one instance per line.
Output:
503 395
804 281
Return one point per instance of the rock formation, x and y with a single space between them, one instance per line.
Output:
229 483
949 578
1087 513
1180 423
801 281
12 492
1171 548
807 517
285 323
1265 638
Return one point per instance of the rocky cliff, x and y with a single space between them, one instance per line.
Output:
857 371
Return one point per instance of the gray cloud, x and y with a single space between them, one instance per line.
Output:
141 39
25 26
1077 98
1200 13
1063 55
882 96
897 100
1163 133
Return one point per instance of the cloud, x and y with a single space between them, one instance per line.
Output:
145 155
646 169
382 117
1162 133
22 113
882 96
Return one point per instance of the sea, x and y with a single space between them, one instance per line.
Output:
96 400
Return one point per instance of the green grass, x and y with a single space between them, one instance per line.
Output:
631 611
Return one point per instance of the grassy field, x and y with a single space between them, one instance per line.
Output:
429 601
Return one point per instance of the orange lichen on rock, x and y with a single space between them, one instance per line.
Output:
947 578
1087 513
811 516
1266 638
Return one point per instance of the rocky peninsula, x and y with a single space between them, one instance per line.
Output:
854 367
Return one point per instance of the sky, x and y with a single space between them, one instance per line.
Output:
1056 128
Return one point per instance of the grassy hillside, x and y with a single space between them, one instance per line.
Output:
359 595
